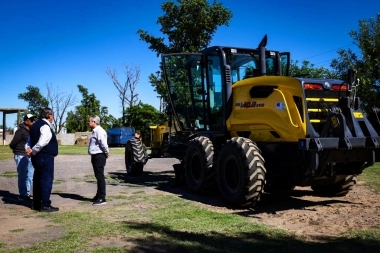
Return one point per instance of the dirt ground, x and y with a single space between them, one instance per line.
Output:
299 212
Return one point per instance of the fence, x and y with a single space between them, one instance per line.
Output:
63 139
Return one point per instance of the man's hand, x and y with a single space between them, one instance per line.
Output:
28 151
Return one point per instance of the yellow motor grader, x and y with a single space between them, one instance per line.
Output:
244 126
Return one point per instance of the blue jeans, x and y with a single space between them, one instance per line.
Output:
25 172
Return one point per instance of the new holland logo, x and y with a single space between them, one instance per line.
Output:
248 104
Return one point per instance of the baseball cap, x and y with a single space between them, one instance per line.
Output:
29 116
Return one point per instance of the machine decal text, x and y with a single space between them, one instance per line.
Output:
248 104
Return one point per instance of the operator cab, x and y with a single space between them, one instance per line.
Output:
200 84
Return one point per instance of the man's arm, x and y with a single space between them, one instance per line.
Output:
102 139
16 139
27 144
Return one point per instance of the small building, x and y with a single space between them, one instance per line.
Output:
6 111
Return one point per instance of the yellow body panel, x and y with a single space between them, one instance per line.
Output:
157 135
277 112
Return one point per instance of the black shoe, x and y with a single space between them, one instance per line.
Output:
49 209
24 198
95 198
99 202
37 208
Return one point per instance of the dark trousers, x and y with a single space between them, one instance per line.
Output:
98 162
42 180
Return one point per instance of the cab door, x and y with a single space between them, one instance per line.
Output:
184 79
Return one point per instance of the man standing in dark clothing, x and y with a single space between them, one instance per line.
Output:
44 147
24 165
98 149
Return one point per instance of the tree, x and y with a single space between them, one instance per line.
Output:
127 94
307 69
187 27
107 120
77 120
9 129
59 102
142 115
367 64
36 101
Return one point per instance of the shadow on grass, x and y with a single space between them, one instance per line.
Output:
71 196
182 241
269 203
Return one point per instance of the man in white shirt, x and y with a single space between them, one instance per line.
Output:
44 147
99 151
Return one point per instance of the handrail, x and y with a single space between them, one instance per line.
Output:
317 110
322 99
287 108
317 120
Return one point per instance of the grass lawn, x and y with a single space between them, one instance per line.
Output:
371 176
82 150
166 223
6 152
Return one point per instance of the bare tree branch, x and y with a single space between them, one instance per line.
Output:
59 103
127 95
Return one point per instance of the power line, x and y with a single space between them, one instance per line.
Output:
322 63
326 52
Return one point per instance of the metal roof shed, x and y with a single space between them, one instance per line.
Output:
6 111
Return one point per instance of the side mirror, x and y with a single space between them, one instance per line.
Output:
351 77
285 63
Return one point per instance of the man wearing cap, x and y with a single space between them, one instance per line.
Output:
24 165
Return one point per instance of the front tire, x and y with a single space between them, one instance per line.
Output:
241 172
134 157
199 172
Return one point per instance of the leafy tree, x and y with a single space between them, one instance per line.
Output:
142 115
77 120
36 101
9 129
367 63
107 120
307 69
57 100
188 26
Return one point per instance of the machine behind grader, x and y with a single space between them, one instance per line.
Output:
245 127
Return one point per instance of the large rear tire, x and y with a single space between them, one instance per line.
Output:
199 172
134 157
340 188
241 172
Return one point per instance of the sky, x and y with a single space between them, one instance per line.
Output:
71 42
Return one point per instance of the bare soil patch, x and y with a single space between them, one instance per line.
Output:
300 211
